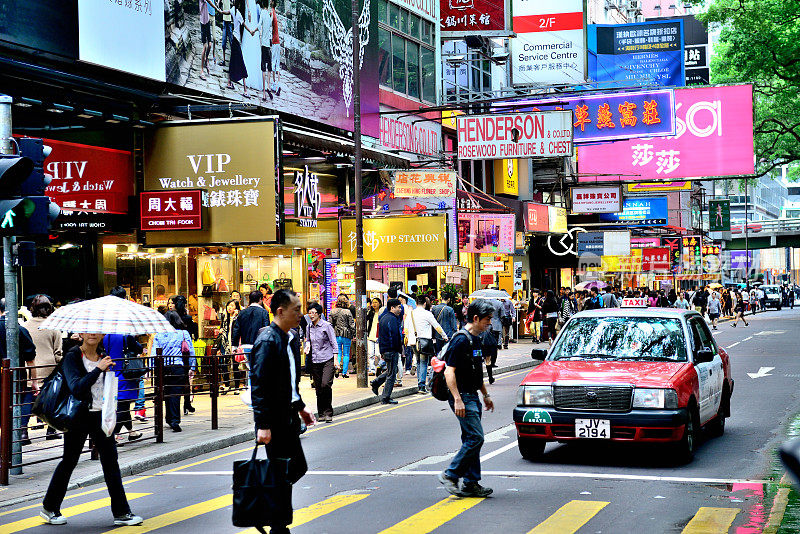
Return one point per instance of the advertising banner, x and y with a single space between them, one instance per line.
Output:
306 68
486 232
538 217
409 135
741 259
674 246
719 215
125 36
714 137
171 210
550 46
631 263
655 259
546 134
590 243
234 164
639 211
692 254
603 199
397 239
645 242
605 117
474 16
49 26
425 183
89 178
506 177
659 186
695 43
643 53
617 243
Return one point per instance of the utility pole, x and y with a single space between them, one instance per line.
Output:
360 267
10 279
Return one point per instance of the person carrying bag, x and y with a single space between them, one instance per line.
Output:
422 324
262 492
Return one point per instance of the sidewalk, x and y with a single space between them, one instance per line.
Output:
197 438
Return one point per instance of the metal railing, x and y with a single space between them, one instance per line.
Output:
162 382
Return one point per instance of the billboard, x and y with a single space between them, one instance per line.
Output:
234 163
306 68
550 46
643 53
425 183
397 239
605 117
125 36
719 215
655 259
472 16
601 199
695 44
45 25
545 134
714 137
639 211
486 232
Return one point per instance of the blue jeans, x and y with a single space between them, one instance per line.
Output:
466 463
388 375
422 369
227 33
26 399
344 352
139 405
409 351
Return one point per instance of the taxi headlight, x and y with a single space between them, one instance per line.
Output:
535 396
655 398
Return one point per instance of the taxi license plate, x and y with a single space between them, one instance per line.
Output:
593 428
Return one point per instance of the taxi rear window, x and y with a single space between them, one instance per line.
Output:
622 338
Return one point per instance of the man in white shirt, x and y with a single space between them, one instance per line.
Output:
419 326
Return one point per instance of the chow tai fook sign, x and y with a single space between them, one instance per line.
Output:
609 116
546 134
397 239
234 164
425 183
491 233
171 210
602 199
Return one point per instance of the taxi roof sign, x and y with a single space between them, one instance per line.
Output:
638 302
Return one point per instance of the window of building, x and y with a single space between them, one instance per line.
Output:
407 59
468 79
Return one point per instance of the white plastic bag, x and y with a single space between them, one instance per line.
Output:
108 418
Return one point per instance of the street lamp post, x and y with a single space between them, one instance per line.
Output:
360 267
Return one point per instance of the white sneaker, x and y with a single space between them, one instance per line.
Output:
128 520
52 518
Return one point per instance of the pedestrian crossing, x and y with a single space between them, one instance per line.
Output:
568 519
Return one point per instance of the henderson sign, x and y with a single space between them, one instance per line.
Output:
546 134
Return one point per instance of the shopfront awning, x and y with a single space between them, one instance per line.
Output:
301 137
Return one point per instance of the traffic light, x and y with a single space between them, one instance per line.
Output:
24 208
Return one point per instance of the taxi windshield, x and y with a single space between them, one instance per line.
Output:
622 338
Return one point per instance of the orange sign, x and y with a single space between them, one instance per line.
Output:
427 183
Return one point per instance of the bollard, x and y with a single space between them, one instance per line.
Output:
158 409
5 422
214 387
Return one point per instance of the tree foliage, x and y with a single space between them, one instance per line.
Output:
760 44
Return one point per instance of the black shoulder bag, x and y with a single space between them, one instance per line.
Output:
262 493
55 404
133 367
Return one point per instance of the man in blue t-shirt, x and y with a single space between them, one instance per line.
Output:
464 376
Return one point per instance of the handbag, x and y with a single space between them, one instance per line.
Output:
55 404
108 413
133 366
262 493
423 345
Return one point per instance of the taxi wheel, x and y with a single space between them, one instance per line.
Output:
684 449
716 427
531 449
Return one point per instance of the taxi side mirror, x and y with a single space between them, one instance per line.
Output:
704 355
538 354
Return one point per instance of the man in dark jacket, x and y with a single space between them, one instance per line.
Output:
278 409
390 343
445 316
249 321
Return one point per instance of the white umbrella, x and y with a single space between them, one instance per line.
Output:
107 315
373 285
490 294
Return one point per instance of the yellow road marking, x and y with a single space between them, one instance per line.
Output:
90 506
709 520
569 518
434 516
176 516
309 513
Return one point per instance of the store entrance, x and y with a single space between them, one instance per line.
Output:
422 280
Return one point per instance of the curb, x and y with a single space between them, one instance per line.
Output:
167 457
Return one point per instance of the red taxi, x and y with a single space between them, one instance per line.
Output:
632 374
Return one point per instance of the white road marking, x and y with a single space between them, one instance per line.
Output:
748 338
731 346
501 450
541 474
762 372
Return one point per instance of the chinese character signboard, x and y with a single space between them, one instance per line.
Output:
307 198
692 254
711 258
234 164
425 183
486 232
590 243
473 16
695 43
674 246
89 178
398 239
719 215
550 46
714 137
656 259
506 177
171 210
538 219
651 211
604 117
645 242
545 134
603 199
644 53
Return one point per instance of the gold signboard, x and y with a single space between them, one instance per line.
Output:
233 163
506 176
398 239
622 264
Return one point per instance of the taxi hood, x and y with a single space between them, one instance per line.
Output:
653 374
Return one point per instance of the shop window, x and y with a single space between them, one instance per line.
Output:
385 57
398 64
216 280
412 50
407 58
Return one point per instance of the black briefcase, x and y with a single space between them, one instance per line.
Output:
262 493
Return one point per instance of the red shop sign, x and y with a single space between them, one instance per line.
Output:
171 210
472 15
656 259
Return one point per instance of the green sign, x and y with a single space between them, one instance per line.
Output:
719 215
536 416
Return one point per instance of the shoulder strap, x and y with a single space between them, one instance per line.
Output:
438 319
413 323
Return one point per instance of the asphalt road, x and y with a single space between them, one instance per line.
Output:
374 470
